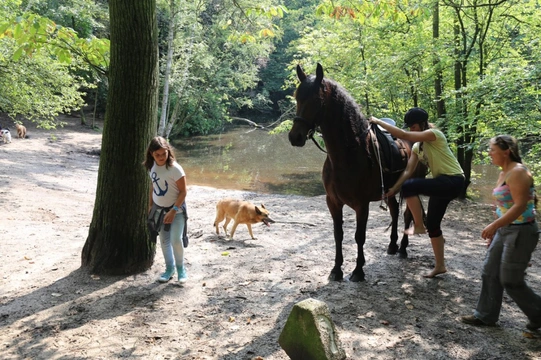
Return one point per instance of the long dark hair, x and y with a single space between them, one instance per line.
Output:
425 125
158 143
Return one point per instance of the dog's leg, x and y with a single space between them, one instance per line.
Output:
250 231
220 215
235 224
227 220
217 224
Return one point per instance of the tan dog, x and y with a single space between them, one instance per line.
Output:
242 212
21 131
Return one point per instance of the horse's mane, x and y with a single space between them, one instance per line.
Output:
343 102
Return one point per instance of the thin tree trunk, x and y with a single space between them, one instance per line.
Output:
167 75
182 83
438 81
95 106
83 117
118 241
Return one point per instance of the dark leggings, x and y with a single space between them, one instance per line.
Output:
441 191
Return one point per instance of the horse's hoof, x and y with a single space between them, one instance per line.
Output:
403 254
356 277
336 276
391 250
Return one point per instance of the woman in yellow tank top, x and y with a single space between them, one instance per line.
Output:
447 181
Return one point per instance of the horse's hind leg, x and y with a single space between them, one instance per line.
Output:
393 210
360 237
337 220
408 219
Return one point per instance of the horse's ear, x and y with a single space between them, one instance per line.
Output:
319 73
300 73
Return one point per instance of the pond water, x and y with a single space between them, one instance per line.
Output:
243 158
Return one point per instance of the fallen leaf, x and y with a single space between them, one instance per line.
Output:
409 306
528 335
231 319
225 253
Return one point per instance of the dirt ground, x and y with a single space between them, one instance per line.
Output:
240 292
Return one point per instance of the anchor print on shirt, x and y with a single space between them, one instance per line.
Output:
155 180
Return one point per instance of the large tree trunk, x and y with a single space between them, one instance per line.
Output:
118 241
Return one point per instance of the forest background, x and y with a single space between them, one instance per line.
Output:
474 65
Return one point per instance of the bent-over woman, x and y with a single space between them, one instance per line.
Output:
431 148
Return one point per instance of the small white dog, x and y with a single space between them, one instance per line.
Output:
6 136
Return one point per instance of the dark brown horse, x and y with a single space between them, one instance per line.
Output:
351 173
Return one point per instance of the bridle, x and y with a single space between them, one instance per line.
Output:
311 130
312 126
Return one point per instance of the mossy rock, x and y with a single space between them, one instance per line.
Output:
309 333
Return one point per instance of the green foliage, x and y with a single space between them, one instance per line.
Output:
87 18
37 87
217 60
385 54
32 32
45 65
283 127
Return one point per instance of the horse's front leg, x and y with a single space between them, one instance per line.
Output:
337 220
393 210
360 237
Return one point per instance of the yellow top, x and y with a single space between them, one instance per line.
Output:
438 156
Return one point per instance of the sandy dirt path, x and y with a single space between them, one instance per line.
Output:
240 291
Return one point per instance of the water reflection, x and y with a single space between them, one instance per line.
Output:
484 177
243 158
249 159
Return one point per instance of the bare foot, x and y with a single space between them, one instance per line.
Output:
415 230
435 272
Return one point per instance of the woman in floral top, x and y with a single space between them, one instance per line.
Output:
511 239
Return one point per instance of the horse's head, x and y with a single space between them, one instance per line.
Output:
309 97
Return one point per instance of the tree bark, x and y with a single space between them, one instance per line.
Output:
118 241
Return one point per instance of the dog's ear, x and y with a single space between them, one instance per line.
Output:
257 211
263 206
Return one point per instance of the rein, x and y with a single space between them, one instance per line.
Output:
311 131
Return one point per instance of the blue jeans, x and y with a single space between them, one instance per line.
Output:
441 190
506 260
171 242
